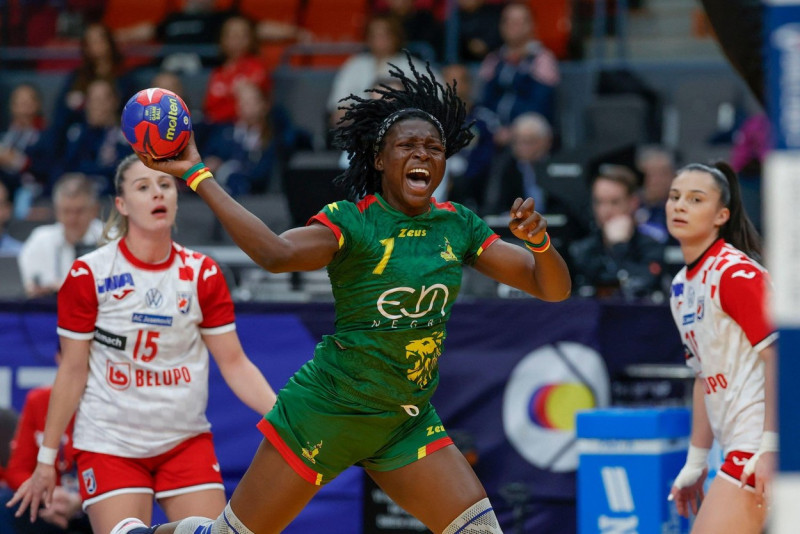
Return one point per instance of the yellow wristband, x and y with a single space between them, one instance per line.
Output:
196 181
540 247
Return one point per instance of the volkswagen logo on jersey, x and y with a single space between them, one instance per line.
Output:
545 390
153 298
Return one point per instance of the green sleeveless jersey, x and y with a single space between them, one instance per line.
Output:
394 281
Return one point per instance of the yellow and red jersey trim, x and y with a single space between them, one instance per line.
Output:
305 472
489 240
443 205
433 446
337 232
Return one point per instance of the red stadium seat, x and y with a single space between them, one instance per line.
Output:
124 13
336 20
278 10
553 20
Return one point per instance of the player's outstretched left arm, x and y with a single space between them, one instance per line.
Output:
540 270
300 249
239 372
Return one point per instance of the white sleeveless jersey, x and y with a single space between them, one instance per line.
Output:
148 369
720 308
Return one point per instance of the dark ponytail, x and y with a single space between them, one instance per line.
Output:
739 230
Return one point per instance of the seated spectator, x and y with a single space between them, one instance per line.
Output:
478 29
8 245
385 39
24 130
64 515
657 165
48 253
170 81
240 62
419 26
95 145
100 59
467 171
616 258
249 155
521 76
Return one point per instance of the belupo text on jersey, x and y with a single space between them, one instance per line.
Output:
428 301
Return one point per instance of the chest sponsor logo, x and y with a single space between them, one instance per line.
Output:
115 282
122 294
690 297
400 302
701 308
677 289
184 300
109 340
688 318
146 318
118 375
154 298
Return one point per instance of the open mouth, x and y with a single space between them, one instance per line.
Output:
418 178
159 210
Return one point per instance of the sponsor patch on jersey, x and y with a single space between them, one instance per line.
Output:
147 318
154 298
688 318
184 301
112 283
701 308
108 339
118 375
690 297
89 482
677 289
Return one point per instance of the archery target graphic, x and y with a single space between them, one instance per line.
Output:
545 390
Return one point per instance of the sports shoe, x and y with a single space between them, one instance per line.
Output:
127 525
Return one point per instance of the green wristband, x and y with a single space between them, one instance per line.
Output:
193 169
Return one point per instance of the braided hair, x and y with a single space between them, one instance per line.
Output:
362 129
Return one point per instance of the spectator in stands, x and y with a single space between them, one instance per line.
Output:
249 155
521 76
100 59
478 29
8 245
616 258
420 27
49 251
24 131
468 170
64 516
240 62
96 144
171 81
141 429
384 38
657 165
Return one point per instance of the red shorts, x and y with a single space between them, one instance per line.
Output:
190 466
734 465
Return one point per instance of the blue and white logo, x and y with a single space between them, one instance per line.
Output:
153 298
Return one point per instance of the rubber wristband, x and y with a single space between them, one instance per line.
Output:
47 455
193 169
540 247
196 181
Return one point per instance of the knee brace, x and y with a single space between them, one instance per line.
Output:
226 523
477 519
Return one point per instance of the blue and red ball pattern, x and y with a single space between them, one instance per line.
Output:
157 122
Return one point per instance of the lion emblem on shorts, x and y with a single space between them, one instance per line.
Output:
424 353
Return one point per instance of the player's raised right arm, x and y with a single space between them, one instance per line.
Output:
299 249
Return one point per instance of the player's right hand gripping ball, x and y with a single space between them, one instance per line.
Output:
156 121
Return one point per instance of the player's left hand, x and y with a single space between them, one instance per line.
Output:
763 465
527 223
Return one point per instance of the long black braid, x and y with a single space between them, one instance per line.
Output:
421 97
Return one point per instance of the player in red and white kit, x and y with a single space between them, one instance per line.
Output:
137 319
719 303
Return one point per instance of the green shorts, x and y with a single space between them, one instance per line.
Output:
320 433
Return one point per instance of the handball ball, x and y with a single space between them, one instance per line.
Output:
157 122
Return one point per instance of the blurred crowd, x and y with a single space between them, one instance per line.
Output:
504 61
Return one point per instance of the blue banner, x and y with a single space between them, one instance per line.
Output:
513 374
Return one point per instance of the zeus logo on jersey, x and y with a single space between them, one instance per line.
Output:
112 283
407 232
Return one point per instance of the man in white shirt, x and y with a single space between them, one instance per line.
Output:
49 251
